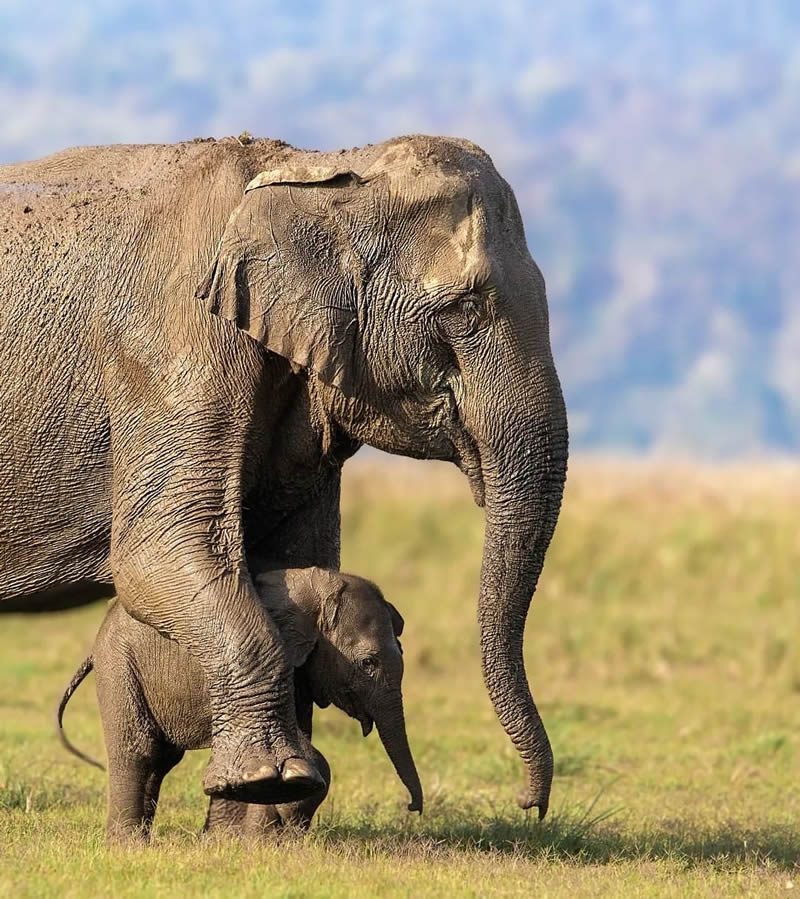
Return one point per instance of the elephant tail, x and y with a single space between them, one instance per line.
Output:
77 679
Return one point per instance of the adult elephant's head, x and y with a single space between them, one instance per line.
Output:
400 275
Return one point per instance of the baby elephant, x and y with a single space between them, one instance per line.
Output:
341 636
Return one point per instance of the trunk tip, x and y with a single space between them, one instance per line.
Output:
526 799
415 806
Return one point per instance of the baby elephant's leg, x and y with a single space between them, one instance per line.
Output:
139 755
230 816
134 783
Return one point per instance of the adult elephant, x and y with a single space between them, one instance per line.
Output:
156 433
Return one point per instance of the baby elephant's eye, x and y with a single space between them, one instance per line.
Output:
369 664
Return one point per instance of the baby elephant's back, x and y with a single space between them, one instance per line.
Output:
165 676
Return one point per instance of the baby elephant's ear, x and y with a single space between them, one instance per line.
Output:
301 637
397 619
297 626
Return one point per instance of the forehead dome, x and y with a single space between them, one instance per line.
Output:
458 165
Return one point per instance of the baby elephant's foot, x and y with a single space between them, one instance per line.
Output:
260 781
130 836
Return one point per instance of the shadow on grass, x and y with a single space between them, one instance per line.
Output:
578 835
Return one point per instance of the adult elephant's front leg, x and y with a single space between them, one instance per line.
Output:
178 558
250 820
184 468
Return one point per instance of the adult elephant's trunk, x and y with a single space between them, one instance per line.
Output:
521 434
391 726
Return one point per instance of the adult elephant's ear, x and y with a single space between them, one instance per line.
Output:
285 270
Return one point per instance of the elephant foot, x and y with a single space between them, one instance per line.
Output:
301 772
261 781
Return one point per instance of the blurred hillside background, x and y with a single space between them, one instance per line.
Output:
654 146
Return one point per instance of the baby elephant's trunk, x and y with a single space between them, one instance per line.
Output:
77 679
391 724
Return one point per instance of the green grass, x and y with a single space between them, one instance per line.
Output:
663 652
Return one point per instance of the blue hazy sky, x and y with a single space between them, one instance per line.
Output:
654 147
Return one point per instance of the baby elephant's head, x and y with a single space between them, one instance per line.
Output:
344 634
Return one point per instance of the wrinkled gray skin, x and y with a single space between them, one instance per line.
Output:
341 637
193 338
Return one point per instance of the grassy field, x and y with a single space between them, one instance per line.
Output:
663 651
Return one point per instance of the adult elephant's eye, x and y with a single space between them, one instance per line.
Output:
369 664
464 317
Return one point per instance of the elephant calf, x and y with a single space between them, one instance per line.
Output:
341 637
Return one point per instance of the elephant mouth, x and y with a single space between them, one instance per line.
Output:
366 724
464 453
352 706
468 459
